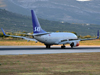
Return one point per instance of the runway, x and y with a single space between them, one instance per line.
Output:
19 50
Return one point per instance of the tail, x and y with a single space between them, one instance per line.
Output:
36 25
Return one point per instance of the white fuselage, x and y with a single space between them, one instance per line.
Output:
55 38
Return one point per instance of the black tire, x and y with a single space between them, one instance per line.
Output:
62 47
47 46
72 44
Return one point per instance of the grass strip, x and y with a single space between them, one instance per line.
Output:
51 64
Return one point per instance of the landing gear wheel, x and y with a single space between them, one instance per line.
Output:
72 45
62 47
47 46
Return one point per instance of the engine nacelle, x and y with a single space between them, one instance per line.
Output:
77 44
74 44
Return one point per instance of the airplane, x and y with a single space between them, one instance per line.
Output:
51 38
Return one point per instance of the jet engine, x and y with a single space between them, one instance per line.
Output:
74 44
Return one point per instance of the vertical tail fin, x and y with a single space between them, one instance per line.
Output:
36 25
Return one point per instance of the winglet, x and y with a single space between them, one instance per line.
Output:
3 31
98 34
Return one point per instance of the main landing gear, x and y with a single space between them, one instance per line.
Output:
72 45
63 47
48 46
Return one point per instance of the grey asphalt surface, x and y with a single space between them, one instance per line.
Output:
19 50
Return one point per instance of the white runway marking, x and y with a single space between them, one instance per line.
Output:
19 50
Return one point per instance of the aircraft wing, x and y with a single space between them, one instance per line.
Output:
91 38
29 34
88 39
28 39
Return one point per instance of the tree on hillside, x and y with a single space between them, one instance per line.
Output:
74 33
87 36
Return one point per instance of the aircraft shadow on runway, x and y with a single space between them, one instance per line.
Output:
52 48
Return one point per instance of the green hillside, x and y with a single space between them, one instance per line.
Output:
71 11
13 22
